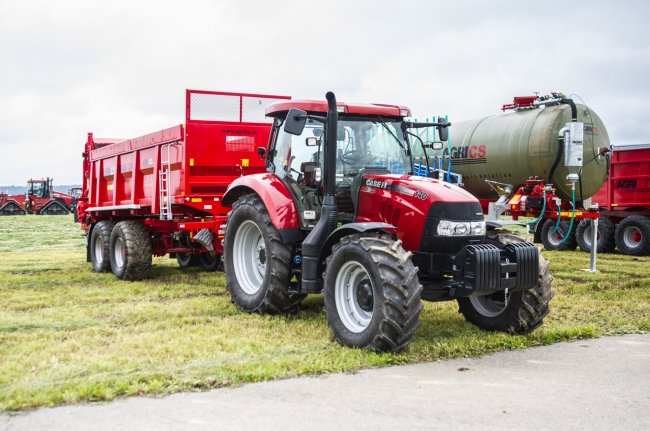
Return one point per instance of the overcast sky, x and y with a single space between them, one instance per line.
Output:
120 68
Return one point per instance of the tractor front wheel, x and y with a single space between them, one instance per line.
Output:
256 261
130 250
372 293
514 312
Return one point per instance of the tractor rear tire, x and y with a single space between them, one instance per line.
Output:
131 250
54 207
372 293
553 241
100 246
605 242
633 236
210 263
523 312
256 261
187 260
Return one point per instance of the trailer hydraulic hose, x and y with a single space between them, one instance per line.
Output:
541 214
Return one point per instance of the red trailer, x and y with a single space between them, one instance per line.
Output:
161 193
624 203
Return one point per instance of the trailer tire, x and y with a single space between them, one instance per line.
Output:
372 293
100 246
187 260
605 242
633 235
210 263
552 241
256 261
131 250
524 312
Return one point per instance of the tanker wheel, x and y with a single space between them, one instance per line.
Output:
130 250
210 263
372 293
633 236
99 246
516 312
553 241
256 261
186 260
605 239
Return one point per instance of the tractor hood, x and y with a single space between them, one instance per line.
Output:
413 203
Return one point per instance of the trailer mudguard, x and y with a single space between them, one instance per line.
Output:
273 192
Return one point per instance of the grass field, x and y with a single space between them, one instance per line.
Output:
69 335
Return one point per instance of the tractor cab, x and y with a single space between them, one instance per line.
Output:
39 188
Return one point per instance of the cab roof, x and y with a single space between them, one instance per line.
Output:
320 106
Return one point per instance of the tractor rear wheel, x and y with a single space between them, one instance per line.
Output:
256 261
633 235
372 293
555 241
516 312
100 246
130 250
54 208
605 240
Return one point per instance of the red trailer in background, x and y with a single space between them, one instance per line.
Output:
624 203
161 193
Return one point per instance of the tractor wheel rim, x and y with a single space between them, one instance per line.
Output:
99 250
490 305
119 252
632 236
353 293
249 257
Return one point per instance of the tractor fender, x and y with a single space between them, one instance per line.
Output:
352 228
273 192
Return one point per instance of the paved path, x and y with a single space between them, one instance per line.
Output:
601 384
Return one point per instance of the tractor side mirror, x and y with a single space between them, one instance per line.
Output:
443 131
435 145
312 141
261 151
295 121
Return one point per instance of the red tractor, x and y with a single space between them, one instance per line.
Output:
40 198
340 213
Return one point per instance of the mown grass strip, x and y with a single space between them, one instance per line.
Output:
69 335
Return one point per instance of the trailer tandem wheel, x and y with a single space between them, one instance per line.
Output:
100 246
372 293
554 241
605 238
516 313
256 261
131 250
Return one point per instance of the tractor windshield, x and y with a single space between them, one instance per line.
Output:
371 143
37 189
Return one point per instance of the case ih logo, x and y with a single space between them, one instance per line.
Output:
377 184
468 155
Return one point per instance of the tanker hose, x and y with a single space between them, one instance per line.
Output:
573 215
574 110
557 223
541 214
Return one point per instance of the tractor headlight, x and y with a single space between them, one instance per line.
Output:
460 228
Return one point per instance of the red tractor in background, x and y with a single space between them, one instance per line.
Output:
40 198
340 213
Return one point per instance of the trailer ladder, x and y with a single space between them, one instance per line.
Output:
165 172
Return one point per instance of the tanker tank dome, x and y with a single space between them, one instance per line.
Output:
514 146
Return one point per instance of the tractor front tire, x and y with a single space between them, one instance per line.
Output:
131 250
633 236
522 312
605 241
372 293
100 246
256 261
554 241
